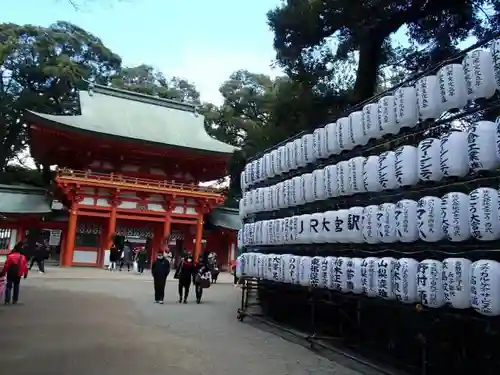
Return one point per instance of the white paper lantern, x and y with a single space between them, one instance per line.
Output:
258 170
308 187
343 179
240 266
324 272
482 146
284 260
283 157
241 209
495 53
242 181
405 102
339 282
405 217
300 189
406 165
386 170
369 224
280 202
405 280
317 143
369 276
452 90
290 151
246 171
370 174
359 137
275 195
455 216
344 139
261 266
332 144
479 74
258 233
370 121
454 162
429 160
330 179
284 192
307 143
314 275
318 178
305 270
354 227
316 227
355 175
485 287
294 228
276 271
429 104
353 275
484 214
239 240
430 283
385 274
287 230
341 226
456 287
303 233
387 115
292 269
386 223
329 234
275 166
299 153
429 220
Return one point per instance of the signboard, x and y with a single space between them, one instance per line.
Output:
55 237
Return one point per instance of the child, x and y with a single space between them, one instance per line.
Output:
14 268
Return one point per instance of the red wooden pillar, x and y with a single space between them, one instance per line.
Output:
67 258
199 237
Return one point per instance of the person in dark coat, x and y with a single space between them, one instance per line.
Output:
142 256
114 256
201 278
160 270
128 256
39 255
184 273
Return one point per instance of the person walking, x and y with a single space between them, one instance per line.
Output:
141 257
39 256
128 256
184 274
15 267
201 279
114 257
160 270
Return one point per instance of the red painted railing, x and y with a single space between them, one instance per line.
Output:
139 182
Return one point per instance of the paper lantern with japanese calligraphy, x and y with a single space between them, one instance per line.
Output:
300 190
241 208
274 163
294 225
332 144
340 226
329 234
318 135
482 146
303 229
261 265
370 121
428 102
387 115
495 53
284 259
307 143
406 166
405 280
330 179
239 239
384 273
287 236
305 270
268 165
269 267
386 223
276 271
267 199
251 264
314 274
342 134
485 287
405 217
343 187
359 136
455 216
454 162
316 227
290 151
353 275
386 171
291 268
299 153
331 270
452 91
369 276
456 289
257 164
483 210
354 227
240 266
405 103
280 160
339 281
318 176
355 175
430 283
258 233
429 160
286 193
369 224
479 74
429 220
324 272
257 202
370 174
243 181
308 187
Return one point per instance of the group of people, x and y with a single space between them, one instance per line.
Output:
119 258
188 272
